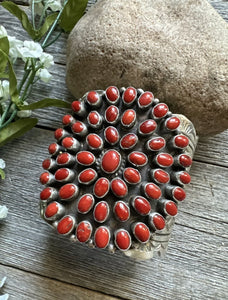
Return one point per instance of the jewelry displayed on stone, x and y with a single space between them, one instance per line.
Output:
117 171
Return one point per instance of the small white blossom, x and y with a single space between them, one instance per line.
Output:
30 49
3 212
15 45
2 164
2 282
3 31
4 90
54 5
5 296
46 60
44 75
24 113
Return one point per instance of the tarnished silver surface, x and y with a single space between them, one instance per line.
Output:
158 240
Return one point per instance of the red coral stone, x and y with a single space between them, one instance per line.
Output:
171 208
160 110
122 211
164 159
101 187
61 174
110 161
161 176
67 120
123 239
112 93
67 191
63 158
148 126
59 133
51 210
46 193
93 118
179 194
111 135
156 144
53 148
141 205
152 191
132 175
85 158
94 140
44 177
146 99
172 123
65 225
85 203
159 222
87 176
92 97
76 106
181 141
102 237
111 114
83 231
77 127
68 142
129 95
101 211
46 164
142 232
128 141
128 117
185 160
185 178
137 158
119 187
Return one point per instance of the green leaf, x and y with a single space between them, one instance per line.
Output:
21 15
46 103
4 44
3 75
72 12
50 19
4 47
12 77
2 174
16 129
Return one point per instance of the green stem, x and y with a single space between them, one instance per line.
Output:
53 40
29 82
10 119
43 45
33 14
5 114
42 15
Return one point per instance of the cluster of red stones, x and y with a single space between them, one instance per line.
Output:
123 164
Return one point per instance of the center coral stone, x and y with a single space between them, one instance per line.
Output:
110 161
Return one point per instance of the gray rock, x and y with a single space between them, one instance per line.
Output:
178 49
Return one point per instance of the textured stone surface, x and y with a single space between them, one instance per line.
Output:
176 48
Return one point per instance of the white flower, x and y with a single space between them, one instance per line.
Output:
2 282
5 296
24 113
3 212
30 49
3 31
4 90
2 164
15 45
44 75
54 5
46 60
38 6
